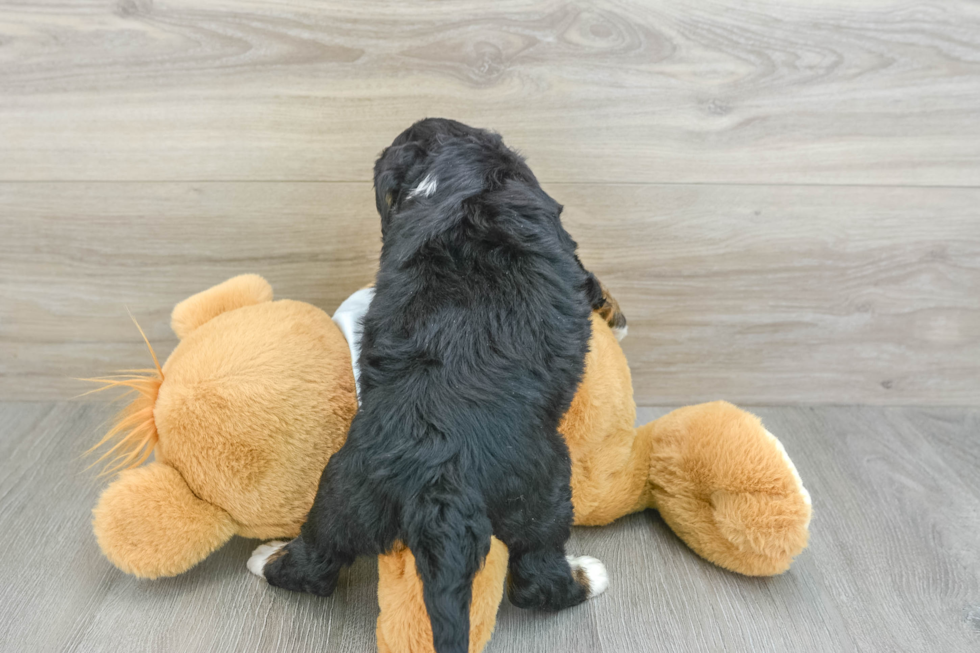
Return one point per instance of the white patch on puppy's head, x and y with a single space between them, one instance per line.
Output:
425 188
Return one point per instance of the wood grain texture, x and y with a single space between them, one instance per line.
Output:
756 294
59 593
891 565
882 92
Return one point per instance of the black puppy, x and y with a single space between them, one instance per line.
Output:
472 350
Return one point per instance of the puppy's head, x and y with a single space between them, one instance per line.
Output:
406 169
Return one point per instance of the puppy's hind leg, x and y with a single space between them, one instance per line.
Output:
298 566
334 534
541 576
546 579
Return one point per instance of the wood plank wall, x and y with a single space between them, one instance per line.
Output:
785 197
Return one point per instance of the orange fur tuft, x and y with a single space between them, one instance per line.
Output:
133 426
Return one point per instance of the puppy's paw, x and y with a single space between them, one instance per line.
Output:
620 333
610 312
264 554
589 573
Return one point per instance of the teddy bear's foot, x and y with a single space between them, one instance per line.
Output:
262 554
590 573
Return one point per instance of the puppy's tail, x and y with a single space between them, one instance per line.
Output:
449 533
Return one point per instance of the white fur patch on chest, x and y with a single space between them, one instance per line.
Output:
349 316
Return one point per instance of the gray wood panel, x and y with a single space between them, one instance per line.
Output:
892 562
756 294
836 92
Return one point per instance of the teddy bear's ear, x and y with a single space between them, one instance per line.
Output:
243 290
149 523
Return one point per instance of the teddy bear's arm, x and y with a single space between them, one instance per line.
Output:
149 523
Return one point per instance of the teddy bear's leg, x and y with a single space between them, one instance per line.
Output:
541 576
727 488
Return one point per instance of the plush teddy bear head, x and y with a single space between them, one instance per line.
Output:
248 408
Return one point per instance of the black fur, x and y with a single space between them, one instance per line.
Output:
473 347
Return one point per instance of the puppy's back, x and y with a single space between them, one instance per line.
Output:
473 347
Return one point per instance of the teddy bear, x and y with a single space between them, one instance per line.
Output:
258 394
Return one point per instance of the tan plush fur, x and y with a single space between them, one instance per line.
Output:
243 290
721 485
173 527
259 394
252 403
404 623
251 432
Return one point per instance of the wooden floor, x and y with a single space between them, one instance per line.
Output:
893 563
